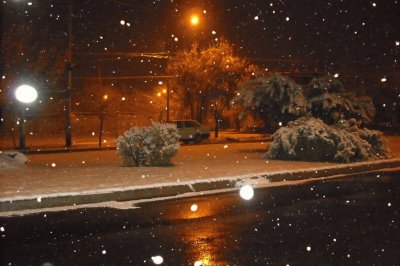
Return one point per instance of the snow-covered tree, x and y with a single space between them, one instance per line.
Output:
273 98
310 139
206 79
329 100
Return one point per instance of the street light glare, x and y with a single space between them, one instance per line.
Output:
26 94
194 20
246 192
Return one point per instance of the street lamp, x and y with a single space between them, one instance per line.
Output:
194 20
166 91
195 24
25 94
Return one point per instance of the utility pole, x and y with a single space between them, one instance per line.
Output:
168 88
69 65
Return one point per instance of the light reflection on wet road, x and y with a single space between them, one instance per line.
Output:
337 222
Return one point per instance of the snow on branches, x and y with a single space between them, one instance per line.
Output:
153 145
310 139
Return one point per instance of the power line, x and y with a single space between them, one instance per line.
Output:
128 77
136 5
158 55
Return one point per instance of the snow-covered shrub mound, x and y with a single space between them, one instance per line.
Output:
153 145
310 139
12 159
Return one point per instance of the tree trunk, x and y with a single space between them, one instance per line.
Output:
216 131
237 124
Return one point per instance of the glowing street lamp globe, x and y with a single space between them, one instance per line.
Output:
26 94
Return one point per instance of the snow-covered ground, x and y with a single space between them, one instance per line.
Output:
80 171
88 172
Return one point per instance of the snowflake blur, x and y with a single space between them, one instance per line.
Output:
246 192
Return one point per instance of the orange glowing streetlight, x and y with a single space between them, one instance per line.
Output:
194 20
166 92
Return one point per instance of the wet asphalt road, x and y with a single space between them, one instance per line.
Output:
353 221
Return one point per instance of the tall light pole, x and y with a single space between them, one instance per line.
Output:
194 21
25 94
166 92
68 139
168 89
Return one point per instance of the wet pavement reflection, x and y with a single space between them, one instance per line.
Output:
334 222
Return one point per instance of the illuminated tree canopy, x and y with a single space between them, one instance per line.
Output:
206 79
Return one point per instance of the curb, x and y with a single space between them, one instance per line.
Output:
164 190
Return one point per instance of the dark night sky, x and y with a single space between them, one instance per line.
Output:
344 36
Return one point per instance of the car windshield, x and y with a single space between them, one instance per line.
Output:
191 124
173 132
180 124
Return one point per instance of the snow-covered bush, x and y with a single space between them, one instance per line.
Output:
153 145
310 139
328 99
273 98
165 143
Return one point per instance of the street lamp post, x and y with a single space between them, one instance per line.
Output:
25 94
168 100
68 87
68 139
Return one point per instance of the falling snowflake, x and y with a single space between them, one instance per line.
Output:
194 207
246 192
157 259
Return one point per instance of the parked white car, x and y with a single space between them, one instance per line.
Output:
191 130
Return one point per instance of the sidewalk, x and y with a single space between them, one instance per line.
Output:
75 178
